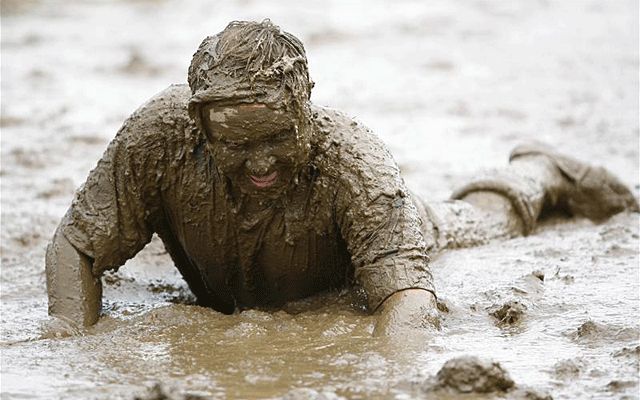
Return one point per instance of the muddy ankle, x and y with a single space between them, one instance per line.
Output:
543 170
498 208
489 201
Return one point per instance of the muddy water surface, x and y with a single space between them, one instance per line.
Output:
576 334
558 310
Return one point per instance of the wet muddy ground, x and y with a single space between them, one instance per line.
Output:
451 86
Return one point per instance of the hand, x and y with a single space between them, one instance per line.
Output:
407 310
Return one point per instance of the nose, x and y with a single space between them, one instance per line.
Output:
260 164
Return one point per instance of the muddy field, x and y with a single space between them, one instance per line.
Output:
450 86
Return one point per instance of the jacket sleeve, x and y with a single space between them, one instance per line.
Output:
110 218
377 218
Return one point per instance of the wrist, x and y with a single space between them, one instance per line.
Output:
407 295
410 293
407 310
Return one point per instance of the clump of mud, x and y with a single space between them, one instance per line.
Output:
629 355
594 331
472 375
509 313
628 352
442 306
157 392
566 369
589 330
538 274
618 385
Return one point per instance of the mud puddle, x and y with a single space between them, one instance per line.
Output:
557 311
572 339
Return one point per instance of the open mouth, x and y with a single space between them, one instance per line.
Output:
264 181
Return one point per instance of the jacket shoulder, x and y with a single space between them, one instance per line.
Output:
353 155
166 109
161 119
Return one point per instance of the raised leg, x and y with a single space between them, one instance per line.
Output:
508 202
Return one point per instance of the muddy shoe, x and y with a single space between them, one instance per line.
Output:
591 192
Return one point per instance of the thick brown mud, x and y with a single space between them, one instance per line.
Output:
450 86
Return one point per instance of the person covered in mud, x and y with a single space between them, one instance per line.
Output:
261 197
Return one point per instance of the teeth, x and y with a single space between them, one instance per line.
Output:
264 178
264 181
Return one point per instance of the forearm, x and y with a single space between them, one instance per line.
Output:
407 269
75 294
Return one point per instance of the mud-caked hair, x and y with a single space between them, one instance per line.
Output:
254 62
251 62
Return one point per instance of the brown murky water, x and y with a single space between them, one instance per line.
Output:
481 75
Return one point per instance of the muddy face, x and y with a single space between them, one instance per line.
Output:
255 146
